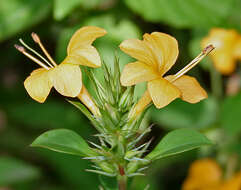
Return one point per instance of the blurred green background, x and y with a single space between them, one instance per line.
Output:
22 119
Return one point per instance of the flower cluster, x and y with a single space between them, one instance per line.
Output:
114 112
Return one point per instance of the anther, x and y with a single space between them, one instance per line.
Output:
35 37
38 41
208 49
19 48
194 62
22 50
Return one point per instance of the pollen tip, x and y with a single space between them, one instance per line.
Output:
35 37
208 49
19 48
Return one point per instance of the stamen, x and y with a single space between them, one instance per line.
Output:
23 51
38 41
194 62
36 53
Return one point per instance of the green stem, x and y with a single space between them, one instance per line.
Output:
122 182
216 83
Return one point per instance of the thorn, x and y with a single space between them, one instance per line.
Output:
96 145
141 169
95 158
35 37
101 172
96 167
135 174
19 48
147 187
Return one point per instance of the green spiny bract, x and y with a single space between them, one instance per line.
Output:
118 153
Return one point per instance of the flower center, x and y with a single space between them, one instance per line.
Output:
194 62
36 39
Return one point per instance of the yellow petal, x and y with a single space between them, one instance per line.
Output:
139 50
232 184
190 88
38 85
86 55
207 170
203 174
162 92
84 37
221 39
224 63
136 72
165 49
66 79
237 49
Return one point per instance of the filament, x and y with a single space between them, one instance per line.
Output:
36 53
22 50
194 62
38 41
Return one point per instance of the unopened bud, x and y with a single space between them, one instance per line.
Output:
126 98
131 154
132 167
106 167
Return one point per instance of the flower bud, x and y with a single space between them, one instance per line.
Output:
105 166
132 167
126 98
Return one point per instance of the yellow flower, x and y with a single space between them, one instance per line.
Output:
206 174
228 49
232 184
203 174
65 77
155 55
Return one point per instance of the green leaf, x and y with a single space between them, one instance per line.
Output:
230 115
178 141
65 141
62 7
16 15
180 114
179 13
14 171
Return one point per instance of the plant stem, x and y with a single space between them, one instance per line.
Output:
216 83
122 182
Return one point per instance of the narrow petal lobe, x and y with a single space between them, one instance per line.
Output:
84 37
190 88
38 85
84 55
162 92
